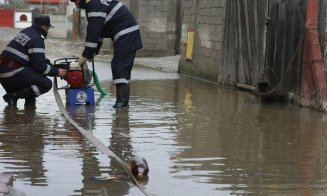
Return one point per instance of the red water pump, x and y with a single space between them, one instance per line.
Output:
78 76
79 88
75 78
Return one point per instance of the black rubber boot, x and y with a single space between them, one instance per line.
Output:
122 92
30 102
25 93
11 98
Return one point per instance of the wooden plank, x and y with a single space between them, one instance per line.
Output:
247 38
246 87
244 42
283 49
256 48
228 71
264 11
240 45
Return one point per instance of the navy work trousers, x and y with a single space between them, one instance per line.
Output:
27 78
121 66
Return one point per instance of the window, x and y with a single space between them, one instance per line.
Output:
23 17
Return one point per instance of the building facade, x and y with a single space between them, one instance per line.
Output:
251 44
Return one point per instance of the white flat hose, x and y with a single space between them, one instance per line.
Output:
90 137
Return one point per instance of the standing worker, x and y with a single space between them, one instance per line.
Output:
23 66
112 19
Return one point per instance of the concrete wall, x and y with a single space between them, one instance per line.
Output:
60 26
157 20
206 19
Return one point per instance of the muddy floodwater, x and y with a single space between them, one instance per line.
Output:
198 139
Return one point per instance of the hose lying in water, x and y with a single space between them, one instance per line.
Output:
90 137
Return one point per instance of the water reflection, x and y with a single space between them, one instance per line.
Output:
96 164
83 114
277 149
22 144
311 141
214 132
120 141
228 142
198 138
93 165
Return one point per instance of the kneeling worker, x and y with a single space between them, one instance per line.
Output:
23 65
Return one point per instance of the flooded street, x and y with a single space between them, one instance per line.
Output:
198 139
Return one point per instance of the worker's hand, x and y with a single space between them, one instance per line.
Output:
81 60
62 73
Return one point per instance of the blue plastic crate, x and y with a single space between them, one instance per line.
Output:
79 96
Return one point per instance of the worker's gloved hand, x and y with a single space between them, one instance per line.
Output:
81 60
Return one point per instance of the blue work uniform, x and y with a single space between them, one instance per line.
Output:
23 63
112 19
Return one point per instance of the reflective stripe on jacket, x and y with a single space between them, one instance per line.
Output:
110 19
28 49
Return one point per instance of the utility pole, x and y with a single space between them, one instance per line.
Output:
76 24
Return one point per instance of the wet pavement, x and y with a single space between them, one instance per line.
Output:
198 139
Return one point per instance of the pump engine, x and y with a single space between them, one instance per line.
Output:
77 76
